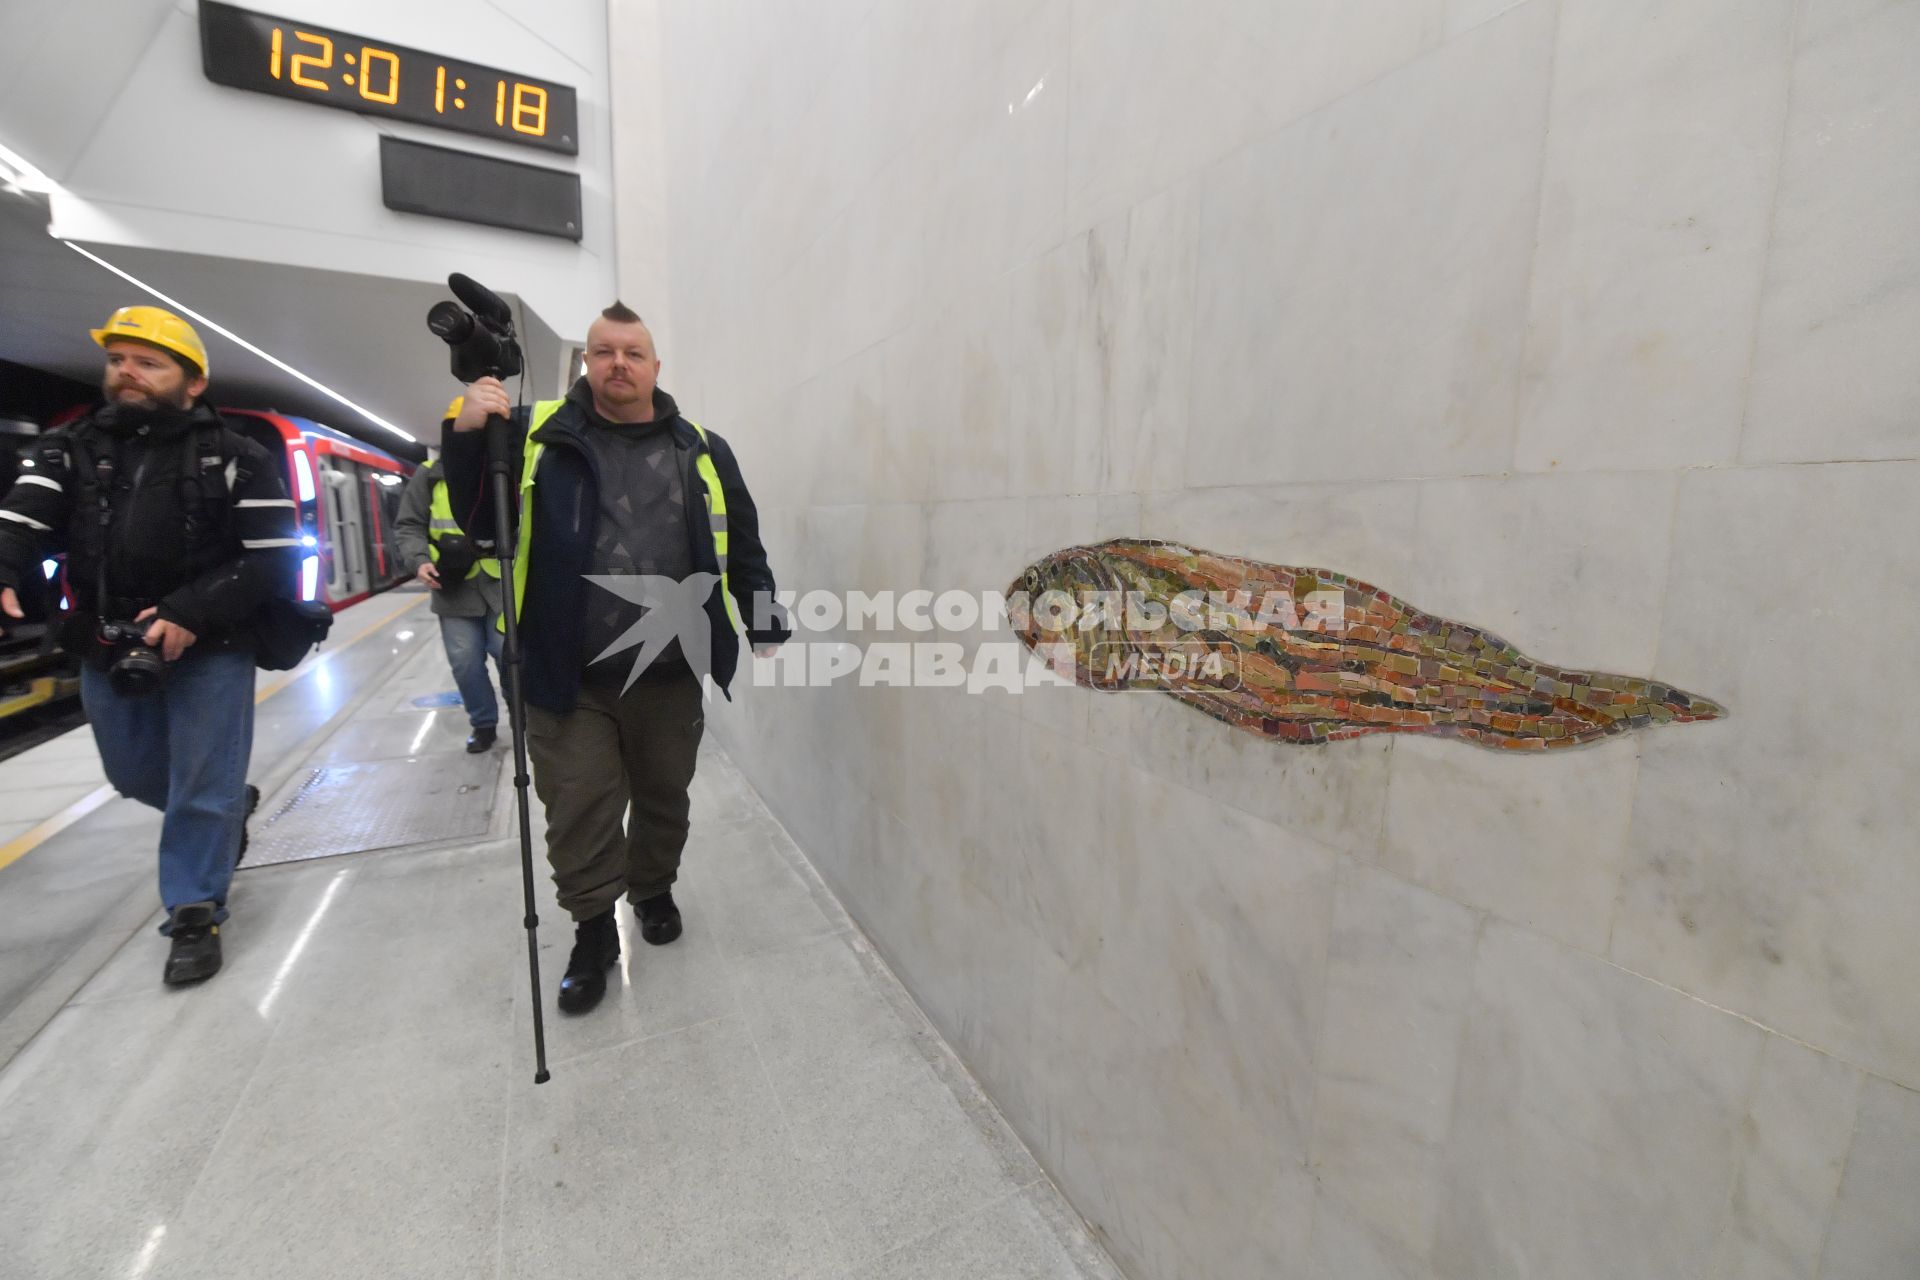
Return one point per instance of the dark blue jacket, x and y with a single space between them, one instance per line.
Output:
566 504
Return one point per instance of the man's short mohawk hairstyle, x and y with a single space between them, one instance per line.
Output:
621 313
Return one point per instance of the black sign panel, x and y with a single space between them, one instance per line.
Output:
416 178
308 63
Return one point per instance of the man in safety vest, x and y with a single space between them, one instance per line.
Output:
637 561
466 593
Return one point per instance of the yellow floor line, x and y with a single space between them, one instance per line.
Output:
33 837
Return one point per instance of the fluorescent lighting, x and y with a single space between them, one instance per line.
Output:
309 577
18 175
231 336
50 568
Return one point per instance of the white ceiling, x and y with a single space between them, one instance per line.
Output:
362 335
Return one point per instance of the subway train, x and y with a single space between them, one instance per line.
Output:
347 493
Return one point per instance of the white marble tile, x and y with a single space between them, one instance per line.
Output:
1537 839
1598 1116
1769 865
930 63
1136 346
1571 568
1363 275
1008 1240
1399 977
1661 158
1822 18
416 1121
1334 794
1797 1130
1158 93
1172 1181
959 400
999 200
1874 1231
1222 940
108 1117
1345 1248
1464 15
1367 530
1058 308
1840 315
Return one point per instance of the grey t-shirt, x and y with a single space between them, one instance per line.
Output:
641 529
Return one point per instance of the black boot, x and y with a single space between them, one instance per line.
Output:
196 945
253 802
596 949
481 740
659 918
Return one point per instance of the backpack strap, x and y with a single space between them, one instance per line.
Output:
206 480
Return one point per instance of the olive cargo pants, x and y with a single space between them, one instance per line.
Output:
612 753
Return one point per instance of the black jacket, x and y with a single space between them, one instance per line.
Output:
566 505
199 522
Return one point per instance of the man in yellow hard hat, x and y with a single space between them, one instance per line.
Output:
176 531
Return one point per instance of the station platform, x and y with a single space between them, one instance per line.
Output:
353 1094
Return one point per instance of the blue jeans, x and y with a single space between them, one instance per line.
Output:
468 641
183 750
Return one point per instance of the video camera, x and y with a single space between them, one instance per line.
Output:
482 338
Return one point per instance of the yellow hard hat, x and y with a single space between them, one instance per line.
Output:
160 327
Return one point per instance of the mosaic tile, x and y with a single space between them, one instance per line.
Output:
1318 675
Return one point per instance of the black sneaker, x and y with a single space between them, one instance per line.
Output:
481 740
253 802
596 949
196 945
659 918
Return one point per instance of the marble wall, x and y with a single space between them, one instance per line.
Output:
1589 321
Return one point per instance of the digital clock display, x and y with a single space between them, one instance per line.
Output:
299 60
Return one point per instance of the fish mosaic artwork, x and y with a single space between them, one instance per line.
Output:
1308 656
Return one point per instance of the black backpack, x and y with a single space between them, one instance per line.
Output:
285 630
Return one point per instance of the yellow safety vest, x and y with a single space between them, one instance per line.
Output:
523 542
443 523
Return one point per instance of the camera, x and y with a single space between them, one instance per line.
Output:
481 338
457 557
137 668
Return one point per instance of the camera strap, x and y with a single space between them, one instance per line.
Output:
102 471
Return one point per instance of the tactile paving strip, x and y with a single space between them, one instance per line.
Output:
382 805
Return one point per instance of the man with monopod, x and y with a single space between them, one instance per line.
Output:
636 531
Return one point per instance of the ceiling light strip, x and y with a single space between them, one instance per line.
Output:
233 337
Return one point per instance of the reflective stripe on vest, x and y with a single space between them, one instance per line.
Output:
523 541
441 523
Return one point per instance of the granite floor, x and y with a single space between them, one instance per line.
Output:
353 1095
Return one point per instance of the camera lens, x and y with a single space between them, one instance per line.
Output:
137 673
451 321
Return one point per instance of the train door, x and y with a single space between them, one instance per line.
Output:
347 572
383 508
